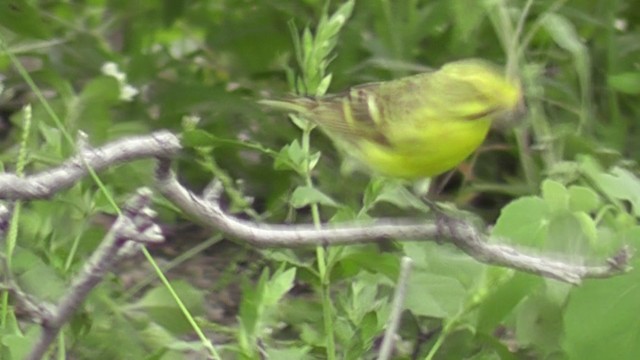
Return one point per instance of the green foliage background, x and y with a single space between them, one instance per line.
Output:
562 181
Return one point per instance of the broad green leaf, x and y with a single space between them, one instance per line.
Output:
445 261
434 295
368 259
539 323
588 226
626 83
524 221
621 184
600 321
584 199
24 19
502 300
162 308
20 345
555 195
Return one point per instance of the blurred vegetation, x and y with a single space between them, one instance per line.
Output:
563 180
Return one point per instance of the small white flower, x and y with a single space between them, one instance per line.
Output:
128 92
111 69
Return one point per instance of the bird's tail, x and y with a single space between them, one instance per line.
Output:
293 105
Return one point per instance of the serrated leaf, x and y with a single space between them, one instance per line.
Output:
306 195
278 286
291 157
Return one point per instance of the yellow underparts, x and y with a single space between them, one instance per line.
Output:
430 150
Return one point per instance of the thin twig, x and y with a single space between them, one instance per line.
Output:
133 228
460 233
166 145
47 183
388 342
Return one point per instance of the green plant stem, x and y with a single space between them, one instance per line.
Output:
203 339
321 258
12 236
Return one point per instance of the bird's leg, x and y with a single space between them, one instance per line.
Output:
445 223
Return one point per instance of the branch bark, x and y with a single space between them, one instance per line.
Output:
460 233
47 183
130 230
136 224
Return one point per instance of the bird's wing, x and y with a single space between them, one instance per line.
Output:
354 114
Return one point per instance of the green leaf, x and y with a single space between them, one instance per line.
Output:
555 195
584 199
198 138
305 195
588 226
382 190
524 221
563 32
468 16
23 19
434 295
19 345
600 321
291 352
372 260
161 307
278 286
621 184
626 83
291 157
539 324
503 299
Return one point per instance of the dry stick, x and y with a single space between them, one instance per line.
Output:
388 342
460 233
132 229
47 183
165 145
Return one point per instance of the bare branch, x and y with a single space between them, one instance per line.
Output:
390 334
133 228
47 183
460 233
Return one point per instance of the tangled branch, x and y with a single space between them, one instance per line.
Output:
135 226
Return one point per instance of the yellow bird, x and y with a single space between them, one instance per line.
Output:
418 126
